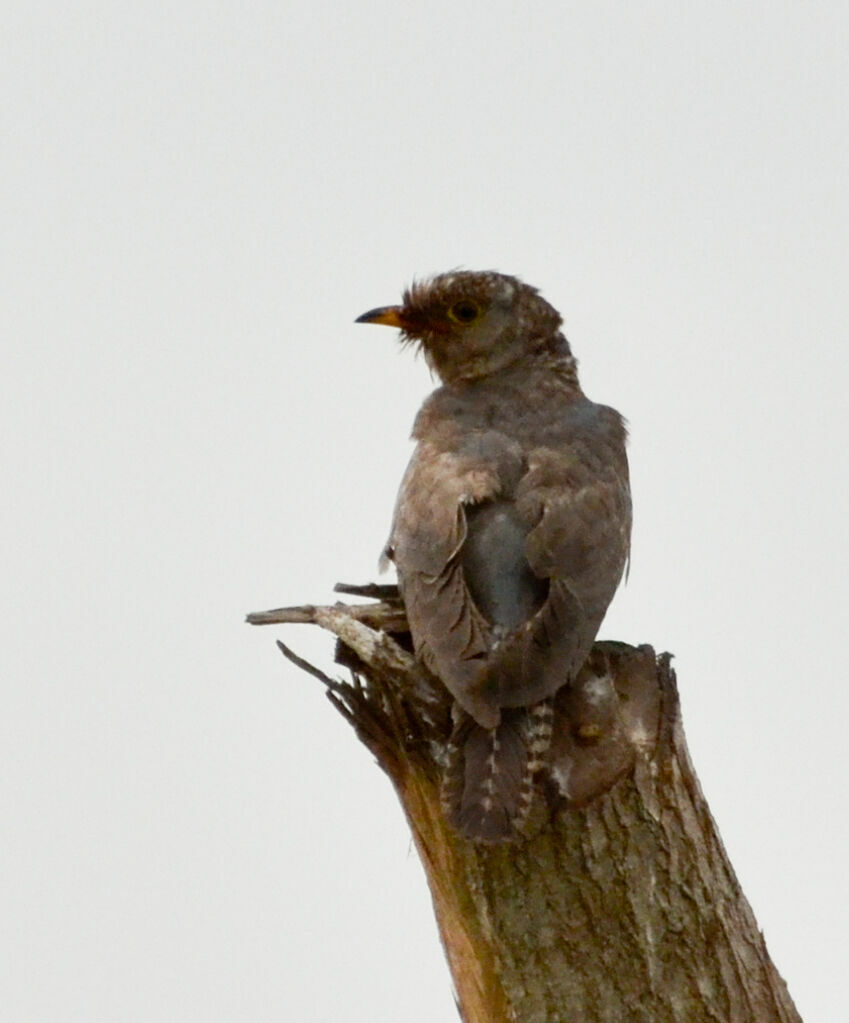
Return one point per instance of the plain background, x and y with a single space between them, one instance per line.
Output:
198 200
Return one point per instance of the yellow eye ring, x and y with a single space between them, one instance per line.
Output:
463 311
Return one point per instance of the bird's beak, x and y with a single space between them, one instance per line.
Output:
389 315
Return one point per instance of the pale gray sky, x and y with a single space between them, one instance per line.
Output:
197 201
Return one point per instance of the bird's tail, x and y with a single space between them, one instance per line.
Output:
488 785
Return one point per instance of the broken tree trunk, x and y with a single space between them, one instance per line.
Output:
619 904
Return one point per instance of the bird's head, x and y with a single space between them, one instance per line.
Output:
472 324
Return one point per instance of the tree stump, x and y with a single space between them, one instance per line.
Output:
619 903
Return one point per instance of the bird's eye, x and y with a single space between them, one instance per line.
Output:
463 311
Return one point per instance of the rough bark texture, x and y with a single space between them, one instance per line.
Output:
622 909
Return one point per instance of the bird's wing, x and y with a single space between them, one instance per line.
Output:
576 500
451 635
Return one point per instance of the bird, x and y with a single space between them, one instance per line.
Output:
511 530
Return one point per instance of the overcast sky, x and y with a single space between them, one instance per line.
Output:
198 200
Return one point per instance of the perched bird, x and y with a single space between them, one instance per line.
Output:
511 530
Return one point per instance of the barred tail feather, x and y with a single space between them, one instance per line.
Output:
488 785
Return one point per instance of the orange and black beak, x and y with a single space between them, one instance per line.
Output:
389 315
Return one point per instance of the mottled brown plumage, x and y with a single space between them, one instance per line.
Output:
511 530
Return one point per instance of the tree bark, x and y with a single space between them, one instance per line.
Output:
619 903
